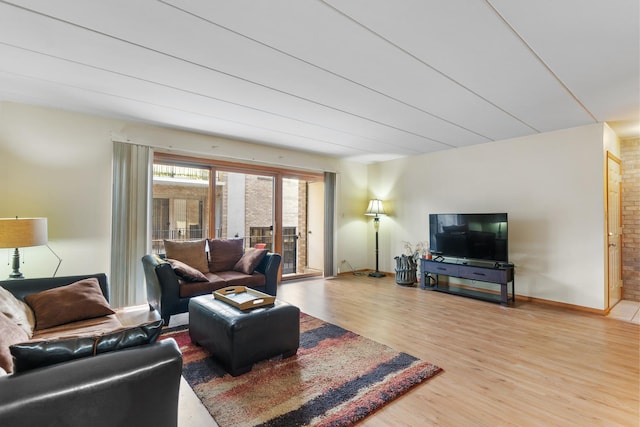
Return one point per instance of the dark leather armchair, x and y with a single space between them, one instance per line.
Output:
163 286
138 386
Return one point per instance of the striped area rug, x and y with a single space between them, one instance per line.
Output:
336 379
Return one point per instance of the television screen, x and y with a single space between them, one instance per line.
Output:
480 236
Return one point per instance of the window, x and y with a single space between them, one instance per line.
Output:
180 204
243 201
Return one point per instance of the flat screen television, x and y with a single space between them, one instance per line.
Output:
473 236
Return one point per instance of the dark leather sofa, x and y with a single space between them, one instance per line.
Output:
163 285
137 386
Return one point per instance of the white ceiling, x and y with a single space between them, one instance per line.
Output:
368 80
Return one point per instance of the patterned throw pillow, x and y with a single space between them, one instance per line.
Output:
17 311
10 333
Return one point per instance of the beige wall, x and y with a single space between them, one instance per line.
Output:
58 165
551 185
354 231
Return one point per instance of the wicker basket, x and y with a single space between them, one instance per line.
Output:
405 270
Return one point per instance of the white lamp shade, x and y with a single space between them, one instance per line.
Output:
23 232
375 208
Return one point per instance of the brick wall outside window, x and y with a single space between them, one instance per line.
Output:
630 153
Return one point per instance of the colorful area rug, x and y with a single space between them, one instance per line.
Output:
336 379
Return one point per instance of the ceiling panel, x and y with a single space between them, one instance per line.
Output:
206 45
594 50
359 56
368 80
145 66
470 44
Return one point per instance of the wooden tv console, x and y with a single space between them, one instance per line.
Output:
502 275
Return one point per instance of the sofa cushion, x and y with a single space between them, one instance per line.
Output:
191 252
17 311
224 254
235 278
35 354
10 333
77 301
186 272
250 260
191 289
88 327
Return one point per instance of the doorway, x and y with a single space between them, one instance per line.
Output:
315 219
303 227
614 230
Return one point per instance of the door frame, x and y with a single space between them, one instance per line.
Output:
611 158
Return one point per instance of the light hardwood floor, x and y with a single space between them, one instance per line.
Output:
530 364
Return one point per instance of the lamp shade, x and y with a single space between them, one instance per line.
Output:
23 232
375 208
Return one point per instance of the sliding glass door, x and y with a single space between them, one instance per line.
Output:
279 210
244 207
303 227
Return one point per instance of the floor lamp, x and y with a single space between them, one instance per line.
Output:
376 210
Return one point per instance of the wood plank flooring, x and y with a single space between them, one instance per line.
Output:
530 364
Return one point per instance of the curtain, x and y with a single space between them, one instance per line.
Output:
130 219
329 222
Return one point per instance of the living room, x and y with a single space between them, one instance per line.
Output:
551 184
58 127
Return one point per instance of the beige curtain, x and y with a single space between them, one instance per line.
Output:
329 222
130 229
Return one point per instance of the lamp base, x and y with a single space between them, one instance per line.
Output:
15 273
376 274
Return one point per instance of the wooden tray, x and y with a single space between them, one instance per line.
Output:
243 298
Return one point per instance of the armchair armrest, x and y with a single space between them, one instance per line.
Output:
269 266
136 386
163 289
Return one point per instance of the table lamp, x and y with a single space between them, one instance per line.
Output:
22 233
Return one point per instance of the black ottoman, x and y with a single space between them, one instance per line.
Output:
239 338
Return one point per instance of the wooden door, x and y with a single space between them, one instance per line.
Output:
614 230
315 220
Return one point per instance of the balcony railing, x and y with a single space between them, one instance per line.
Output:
180 172
158 236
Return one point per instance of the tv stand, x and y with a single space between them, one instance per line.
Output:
501 274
